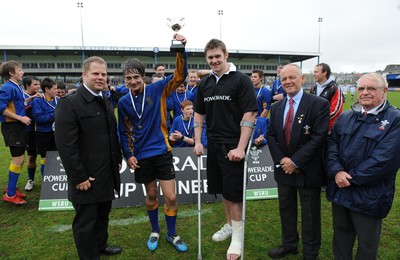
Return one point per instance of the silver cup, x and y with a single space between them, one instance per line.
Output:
176 24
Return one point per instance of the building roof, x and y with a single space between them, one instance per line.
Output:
22 50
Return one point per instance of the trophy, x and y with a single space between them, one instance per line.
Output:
176 24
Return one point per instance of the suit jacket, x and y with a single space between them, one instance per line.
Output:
308 138
87 142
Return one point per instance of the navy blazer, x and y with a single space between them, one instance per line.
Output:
307 143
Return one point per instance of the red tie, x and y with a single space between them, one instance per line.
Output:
287 128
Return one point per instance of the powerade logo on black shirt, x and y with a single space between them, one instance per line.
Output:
217 97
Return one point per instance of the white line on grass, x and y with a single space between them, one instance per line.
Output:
134 220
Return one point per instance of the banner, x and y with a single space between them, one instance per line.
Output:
260 185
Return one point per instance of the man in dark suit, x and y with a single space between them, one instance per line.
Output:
86 138
296 136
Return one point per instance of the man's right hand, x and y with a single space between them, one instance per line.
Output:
133 163
198 149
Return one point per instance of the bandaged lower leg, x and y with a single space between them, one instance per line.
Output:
13 175
152 212
170 218
235 247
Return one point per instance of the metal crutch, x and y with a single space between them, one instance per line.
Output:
199 257
244 187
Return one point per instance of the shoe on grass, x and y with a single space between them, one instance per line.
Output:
14 199
224 233
29 185
177 242
152 243
18 192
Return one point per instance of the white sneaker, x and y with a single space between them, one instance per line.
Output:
29 185
222 234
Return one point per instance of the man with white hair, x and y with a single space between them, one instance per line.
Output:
362 167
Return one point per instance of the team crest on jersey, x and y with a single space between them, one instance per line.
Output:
148 100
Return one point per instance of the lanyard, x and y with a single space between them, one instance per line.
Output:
48 103
259 91
133 103
188 127
177 97
20 89
191 88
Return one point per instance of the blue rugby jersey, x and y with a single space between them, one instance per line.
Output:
183 126
12 98
43 113
148 136
32 126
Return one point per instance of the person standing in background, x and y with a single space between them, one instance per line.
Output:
32 87
277 91
14 124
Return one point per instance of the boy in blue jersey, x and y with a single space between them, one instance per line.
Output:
178 96
13 126
182 131
43 110
260 132
144 140
263 94
32 87
277 90
193 81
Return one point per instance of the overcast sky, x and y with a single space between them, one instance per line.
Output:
356 35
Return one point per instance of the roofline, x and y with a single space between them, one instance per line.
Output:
151 49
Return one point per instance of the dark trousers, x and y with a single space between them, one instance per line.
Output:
90 228
310 200
347 225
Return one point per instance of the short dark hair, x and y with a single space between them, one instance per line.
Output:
27 81
259 72
60 84
159 65
133 66
47 83
325 68
215 44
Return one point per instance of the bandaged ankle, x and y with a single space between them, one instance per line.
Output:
237 231
235 248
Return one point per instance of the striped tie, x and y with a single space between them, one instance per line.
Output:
287 128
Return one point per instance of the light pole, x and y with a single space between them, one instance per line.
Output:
220 13
319 37
155 50
80 6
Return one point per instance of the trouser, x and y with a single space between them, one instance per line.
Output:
347 225
310 199
90 228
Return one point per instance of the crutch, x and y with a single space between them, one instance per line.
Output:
199 257
244 187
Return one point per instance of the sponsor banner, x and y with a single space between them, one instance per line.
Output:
260 185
